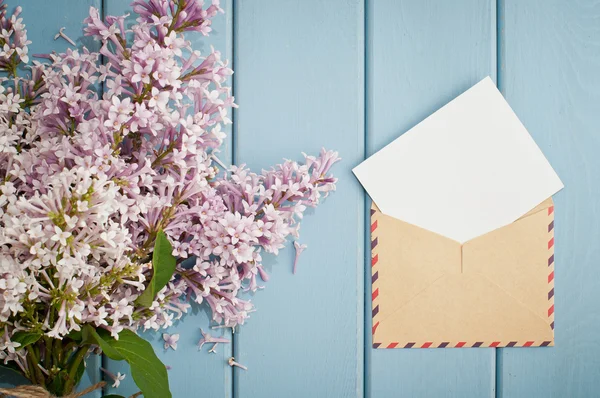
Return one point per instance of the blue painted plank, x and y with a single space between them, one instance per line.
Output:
420 55
550 58
192 373
299 84
43 19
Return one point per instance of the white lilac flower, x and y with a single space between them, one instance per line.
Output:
170 341
233 363
117 379
299 249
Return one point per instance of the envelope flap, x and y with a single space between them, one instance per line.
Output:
406 260
542 206
518 258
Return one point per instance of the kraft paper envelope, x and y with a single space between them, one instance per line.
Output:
462 230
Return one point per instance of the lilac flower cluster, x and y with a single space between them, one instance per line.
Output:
89 177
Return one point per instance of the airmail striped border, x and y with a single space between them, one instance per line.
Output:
374 274
458 344
464 344
551 266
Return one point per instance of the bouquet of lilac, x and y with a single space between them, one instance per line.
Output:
110 180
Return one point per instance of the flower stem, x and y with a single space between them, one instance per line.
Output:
35 372
48 355
75 363
59 354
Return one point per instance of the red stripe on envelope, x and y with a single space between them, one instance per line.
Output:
374 226
392 345
375 294
551 277
551 310
374 328
427 345
528 344
459 345
550 210
550 243
495 344
374 260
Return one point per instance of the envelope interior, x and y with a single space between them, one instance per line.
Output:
492 288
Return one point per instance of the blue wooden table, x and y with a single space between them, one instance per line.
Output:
352 75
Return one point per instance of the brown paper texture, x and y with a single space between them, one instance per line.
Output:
496 290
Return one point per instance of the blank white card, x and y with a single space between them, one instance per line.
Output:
469 168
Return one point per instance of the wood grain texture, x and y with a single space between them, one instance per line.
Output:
43 19
420 55
550 58
299 84
193 373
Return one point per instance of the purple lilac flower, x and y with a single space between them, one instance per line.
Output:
207 338
170 341
88 179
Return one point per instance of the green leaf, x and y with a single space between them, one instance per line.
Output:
148 372
80 371
26 338
163 264
113 396
91 335
76 335
11 375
